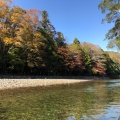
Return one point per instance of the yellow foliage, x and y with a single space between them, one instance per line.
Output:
17 44
18 38
37 34
1 14
15 17
8 40
4 30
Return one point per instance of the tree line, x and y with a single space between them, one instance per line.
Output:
30 45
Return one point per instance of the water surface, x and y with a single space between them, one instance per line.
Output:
96 100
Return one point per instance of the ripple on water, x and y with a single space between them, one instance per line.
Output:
86 101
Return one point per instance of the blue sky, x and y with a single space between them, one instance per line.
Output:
74 18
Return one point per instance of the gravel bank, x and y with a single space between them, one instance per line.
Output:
17 83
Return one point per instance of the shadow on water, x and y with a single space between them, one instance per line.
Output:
97 100
52 77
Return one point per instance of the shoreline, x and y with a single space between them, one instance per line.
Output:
11 82
24 83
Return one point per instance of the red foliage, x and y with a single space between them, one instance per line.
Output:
72 61
99 69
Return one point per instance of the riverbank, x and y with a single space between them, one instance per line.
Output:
18 83
10 82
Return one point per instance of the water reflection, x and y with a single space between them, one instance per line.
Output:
99 100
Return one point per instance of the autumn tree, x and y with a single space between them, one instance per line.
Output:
20 40
97 58
69 63
30 40
30 45
77 56
8 27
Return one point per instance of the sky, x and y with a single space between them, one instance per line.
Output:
74 18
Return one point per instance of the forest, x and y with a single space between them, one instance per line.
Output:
30 45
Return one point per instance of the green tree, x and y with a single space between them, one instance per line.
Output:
87 61
15 65
59 40
76 41
112 67
112 10
47 30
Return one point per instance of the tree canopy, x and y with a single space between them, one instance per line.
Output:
112 10
30 45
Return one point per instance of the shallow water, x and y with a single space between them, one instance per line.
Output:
96 100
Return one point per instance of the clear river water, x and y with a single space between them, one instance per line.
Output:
95 100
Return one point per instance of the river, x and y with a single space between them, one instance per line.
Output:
95 100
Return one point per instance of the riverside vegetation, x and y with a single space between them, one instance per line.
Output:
30 45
